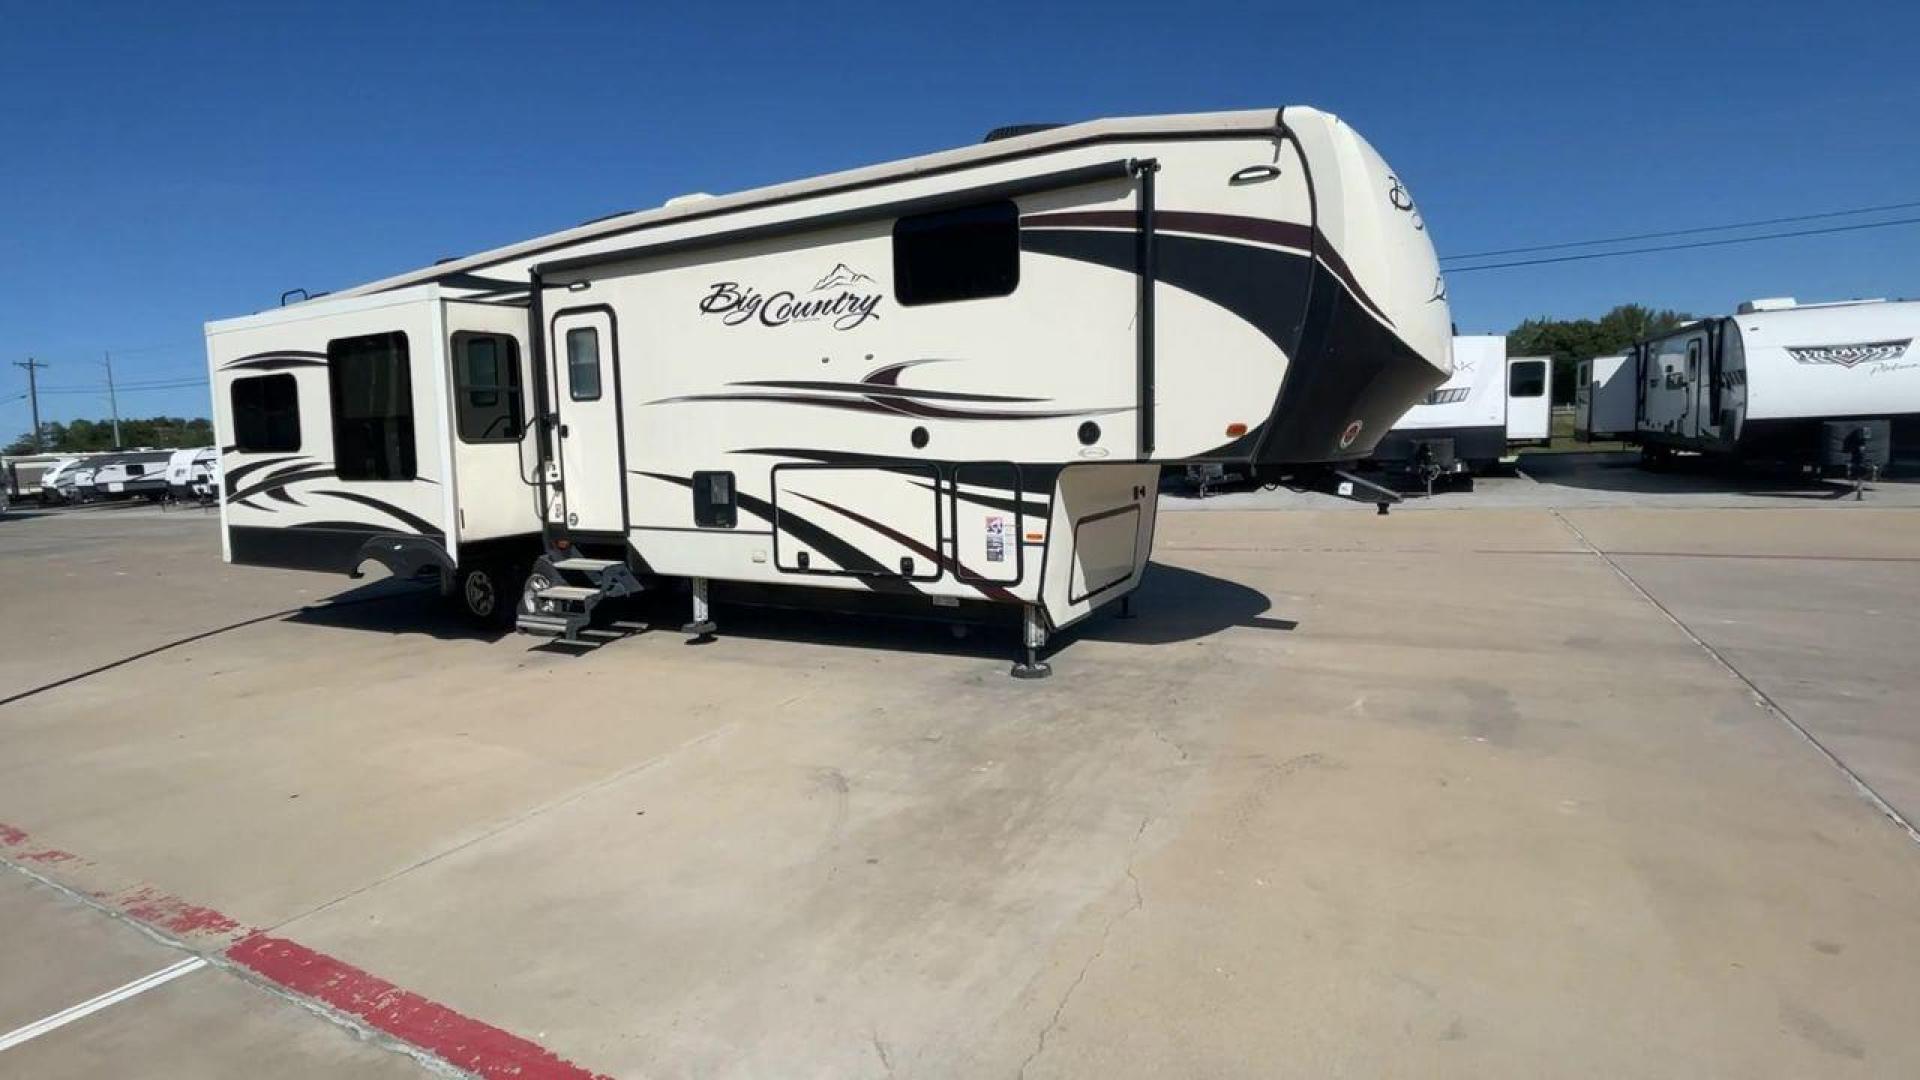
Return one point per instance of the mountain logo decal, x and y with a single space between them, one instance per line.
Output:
840 277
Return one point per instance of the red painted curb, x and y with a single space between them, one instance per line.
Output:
457 1039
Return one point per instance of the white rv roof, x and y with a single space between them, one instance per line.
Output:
1252 121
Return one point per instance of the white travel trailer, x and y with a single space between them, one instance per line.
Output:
57 483
134 474
947 382
1829 386
1490 406
188 469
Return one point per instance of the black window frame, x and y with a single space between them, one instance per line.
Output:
404 440
924 278
465 411
573 369
247 415
1539 388
715 500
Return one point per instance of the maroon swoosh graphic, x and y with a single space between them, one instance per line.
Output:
1259 230
986 588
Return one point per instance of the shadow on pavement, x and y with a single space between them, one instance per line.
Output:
1173 604
402 607
1623 472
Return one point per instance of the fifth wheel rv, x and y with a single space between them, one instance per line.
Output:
944 383
1833 387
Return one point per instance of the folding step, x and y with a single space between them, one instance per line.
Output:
543 624
569 592
585 565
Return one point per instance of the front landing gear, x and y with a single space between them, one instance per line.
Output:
1033 638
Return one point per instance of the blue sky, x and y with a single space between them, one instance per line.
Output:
160 169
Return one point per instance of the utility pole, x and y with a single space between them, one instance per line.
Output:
33 392
113 402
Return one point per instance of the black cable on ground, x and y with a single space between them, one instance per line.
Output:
202 636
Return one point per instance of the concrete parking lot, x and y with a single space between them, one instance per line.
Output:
1501 787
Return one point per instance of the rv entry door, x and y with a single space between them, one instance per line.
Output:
586 381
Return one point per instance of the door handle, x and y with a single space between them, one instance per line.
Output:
563 431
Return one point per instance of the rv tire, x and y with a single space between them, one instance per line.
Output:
485 593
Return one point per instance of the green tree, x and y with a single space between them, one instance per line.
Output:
90 435
1569 341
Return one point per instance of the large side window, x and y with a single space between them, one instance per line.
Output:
583 363
486 386
372 387
266 414
1527 378
961 254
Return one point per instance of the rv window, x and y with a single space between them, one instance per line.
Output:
959 254
1527 379
486 379
266 414
372 387
583 363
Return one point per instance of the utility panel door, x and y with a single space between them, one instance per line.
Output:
856 520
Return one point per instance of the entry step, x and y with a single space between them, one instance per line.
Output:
568 592
585 565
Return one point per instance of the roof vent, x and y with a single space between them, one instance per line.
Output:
1014 131
689 197
1770 303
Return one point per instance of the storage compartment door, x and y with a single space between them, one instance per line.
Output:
864 521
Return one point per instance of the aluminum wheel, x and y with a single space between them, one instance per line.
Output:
479 593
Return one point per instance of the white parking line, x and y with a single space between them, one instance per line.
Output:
87 1008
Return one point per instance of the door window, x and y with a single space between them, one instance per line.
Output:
1527 379
486 381
583 363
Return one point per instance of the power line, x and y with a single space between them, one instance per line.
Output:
1683 247
1682 232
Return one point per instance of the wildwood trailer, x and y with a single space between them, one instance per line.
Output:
1831 387
949 382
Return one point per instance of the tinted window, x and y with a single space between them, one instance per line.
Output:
959 254
583 364
486 380
1527 379
266 414
372 387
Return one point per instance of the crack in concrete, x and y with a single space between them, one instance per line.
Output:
1106 932
880 1048
1760 697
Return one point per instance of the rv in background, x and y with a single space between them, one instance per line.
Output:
134 474
1831 387
189 471
1490 407
21 474
57 483
942 384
